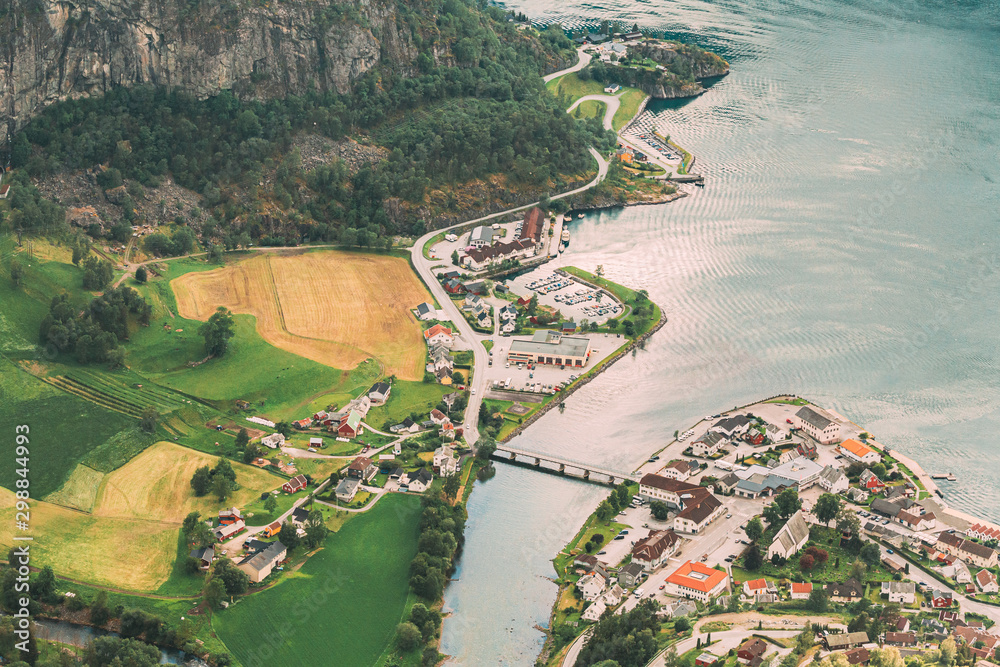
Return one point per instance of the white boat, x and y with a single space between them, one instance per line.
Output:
579 216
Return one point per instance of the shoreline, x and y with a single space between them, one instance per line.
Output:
918 473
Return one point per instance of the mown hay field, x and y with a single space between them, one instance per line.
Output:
336 308
131 554
129 539
156 486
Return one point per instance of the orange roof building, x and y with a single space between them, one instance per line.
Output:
698 581
858 452
801 591
435 330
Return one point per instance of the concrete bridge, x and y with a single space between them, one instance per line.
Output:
558 465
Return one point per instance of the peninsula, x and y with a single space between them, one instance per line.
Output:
845 548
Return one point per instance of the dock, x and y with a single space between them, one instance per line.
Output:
950 476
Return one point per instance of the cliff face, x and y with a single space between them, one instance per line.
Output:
51 50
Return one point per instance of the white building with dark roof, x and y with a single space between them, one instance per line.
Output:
818 424
791 537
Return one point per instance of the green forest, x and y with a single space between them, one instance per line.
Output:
487 113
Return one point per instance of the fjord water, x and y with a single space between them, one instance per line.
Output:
846 249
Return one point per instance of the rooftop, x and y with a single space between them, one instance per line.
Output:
697 576
552 343
813 417
856 448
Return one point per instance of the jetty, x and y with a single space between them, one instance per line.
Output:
950 476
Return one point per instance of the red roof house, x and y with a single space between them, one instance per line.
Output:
296 483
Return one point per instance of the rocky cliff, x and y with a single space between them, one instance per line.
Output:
679 70
51 50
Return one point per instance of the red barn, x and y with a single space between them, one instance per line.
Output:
296 483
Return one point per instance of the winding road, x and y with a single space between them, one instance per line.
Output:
611 104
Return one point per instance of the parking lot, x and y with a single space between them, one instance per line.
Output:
576 301
601 347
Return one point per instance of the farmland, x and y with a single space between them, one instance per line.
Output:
328 306
127 553
357 600
155 486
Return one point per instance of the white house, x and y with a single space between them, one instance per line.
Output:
708 444
679 470
445 461
439 334
855 451
732 426
792 537
833 480
273 441
900 591
653 550
818 424
426 311
614 596
417 481
594 611
591 586
801 591
986 581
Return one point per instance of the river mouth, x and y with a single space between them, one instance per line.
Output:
843 249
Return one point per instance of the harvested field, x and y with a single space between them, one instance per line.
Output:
156 486
130 554
80 490
336 308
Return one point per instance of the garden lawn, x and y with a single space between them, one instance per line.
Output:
342 606
590 109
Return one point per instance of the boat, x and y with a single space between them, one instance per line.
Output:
565 236
579 216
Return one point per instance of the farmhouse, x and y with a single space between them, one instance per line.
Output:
379 393
833 480
792 537
273 441
230 515
818 424
551 347
351 426
856 451
259 565
652 550
362 468
698 581
708 444
294 484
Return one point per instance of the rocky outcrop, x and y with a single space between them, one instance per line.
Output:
51 50
680 68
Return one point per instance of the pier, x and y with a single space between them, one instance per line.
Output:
557 465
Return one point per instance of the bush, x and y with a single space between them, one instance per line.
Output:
408 636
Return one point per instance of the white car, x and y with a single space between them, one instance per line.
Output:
473 391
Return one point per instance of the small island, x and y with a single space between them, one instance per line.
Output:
776 532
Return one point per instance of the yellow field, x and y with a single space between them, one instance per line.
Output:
156 486
129 554
80 490
333 307
129 541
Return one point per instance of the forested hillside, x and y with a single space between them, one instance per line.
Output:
468 105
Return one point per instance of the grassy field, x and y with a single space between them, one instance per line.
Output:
80 490
407 397
130 539
342 602
63 428
572 87
131 554
630 101
590 109
156 486
327 306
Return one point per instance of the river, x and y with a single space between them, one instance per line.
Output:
845 249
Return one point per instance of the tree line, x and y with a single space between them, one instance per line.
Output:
94 334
